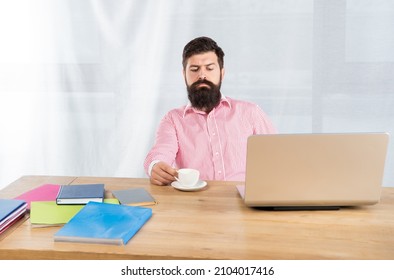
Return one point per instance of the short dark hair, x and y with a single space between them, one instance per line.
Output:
201 45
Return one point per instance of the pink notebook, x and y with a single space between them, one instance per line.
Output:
47 192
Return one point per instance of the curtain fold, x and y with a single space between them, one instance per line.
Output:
84 84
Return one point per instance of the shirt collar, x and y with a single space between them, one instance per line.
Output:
189 107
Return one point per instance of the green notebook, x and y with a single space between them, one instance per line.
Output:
48 213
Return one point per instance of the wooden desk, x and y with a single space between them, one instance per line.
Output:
215 224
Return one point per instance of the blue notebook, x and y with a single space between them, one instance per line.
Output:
104 223
10 211
80 194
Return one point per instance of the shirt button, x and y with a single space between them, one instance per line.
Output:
217 153
220 172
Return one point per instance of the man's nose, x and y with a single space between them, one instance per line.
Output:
201 75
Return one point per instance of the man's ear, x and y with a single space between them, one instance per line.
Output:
222 73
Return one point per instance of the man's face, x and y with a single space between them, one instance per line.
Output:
203 78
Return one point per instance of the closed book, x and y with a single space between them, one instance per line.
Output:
104 224
46 192
134 197
80 194
10 211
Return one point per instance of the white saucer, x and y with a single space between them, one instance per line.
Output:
196 187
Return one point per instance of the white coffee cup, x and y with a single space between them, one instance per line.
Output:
188 177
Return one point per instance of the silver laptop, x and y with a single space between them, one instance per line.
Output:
326 170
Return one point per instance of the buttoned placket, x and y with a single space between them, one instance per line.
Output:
216 148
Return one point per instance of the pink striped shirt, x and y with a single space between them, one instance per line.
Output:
213 143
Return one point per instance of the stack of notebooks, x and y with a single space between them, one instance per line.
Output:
85 215
11 210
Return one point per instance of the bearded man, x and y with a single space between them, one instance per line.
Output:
210 133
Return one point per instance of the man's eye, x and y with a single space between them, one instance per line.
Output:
194 69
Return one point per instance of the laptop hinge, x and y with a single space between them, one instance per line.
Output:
293 208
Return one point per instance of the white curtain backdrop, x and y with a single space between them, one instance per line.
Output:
84 84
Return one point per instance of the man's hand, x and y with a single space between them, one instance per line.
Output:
162 174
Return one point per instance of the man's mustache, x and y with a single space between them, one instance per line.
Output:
202 82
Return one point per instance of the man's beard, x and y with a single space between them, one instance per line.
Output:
204 98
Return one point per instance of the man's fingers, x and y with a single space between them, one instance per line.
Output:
162 174
156 182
